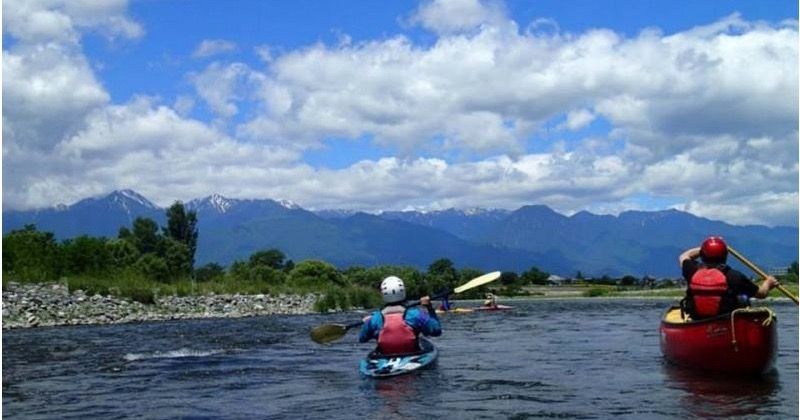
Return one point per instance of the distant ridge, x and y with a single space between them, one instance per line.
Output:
634 242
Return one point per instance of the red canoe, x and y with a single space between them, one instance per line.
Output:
743 342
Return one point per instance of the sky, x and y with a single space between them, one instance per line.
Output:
603 105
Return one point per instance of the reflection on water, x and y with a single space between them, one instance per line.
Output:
393 394
711 395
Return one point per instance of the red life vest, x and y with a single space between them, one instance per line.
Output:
396 337
708 286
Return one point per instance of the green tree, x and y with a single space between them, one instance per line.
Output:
209 272
534 276
182 227
145 235
441 276
153 266
508 278
31 256
122 252
443 268
315 273
272 258
177 257
86 255
239 271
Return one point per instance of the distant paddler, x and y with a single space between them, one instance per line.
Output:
491 301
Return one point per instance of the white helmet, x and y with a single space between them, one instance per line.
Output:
393 290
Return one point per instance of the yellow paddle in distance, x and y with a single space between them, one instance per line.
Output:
327 333
760 272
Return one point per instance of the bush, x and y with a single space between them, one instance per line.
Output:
344 298
209 272
138 293
363 298
595 291
91 285
313 273
326 302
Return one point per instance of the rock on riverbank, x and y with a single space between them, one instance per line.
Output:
39 305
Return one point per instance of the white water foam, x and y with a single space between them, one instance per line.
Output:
173 354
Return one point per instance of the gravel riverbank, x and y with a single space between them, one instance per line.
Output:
39 305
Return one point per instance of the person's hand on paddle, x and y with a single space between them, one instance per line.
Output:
769 283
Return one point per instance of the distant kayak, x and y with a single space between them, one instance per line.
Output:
455 311
741 343
379 366
493 308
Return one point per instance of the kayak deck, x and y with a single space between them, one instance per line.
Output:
376 365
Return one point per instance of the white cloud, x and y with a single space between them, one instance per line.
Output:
448 16
211 47
706 118
47 90
149 147
62 21
578 119
221 86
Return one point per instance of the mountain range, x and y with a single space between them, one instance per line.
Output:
634 242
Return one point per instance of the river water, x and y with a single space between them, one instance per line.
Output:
579 358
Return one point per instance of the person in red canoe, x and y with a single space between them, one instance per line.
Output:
397 327
713 288
491 300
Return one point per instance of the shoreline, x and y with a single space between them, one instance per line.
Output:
51 304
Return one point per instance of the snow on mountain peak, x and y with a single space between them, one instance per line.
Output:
289 204
214 201
121 196
220 203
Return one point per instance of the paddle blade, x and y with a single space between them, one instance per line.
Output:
478 281
328 332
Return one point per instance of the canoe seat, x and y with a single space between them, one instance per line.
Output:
674 316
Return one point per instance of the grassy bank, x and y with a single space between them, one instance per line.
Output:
599 290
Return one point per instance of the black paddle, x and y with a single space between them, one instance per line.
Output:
332 332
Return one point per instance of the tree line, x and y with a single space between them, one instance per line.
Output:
146 259
163 253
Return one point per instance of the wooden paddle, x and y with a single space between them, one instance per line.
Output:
760 272
331 332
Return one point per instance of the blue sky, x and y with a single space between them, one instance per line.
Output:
580 105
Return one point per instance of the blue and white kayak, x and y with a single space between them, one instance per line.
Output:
379 366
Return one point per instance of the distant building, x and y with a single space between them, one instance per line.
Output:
778 271
557 280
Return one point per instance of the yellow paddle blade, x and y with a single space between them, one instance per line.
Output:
478 281
327 333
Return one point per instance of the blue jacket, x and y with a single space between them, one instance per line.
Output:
416 318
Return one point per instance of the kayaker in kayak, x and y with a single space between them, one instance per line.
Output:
445 305
396 327
713 288
491 300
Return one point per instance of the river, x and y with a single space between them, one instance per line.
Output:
573 358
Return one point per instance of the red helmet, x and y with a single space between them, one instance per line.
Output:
714 250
